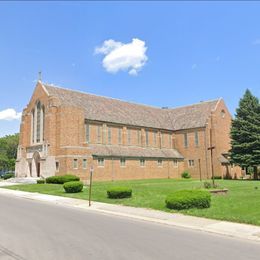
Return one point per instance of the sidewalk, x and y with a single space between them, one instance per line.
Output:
242 231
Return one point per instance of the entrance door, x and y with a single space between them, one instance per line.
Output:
38 169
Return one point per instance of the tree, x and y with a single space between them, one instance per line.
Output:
245 133
8 151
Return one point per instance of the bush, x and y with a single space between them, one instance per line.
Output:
8 176
185 175
207 185
73 186
61 179
217 177
41 181
119 193
186 199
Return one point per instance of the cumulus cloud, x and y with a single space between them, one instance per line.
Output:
129 57
10 114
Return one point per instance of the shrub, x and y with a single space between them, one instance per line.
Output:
41 181
8 176
207 185
186 199
185 175
217 177
61 179
73 186
119 193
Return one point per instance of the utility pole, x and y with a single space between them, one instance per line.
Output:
90 185
211 148
200 169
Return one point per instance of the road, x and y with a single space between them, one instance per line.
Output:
31 230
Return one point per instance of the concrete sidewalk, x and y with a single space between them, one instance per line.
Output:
242 231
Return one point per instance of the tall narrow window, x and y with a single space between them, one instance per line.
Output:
99 134
119 136
159 162
57 166
191 163
101 162
129 136
142 162
170 141
109 135
38 125
175 163
122 162
162 139
43 123
185 136
146 137
87 133
196 138
154 138
75 163
84 164
138 137
33 126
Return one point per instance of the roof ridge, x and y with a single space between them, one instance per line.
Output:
91 94
129 102
196 104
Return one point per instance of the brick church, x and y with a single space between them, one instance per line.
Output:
66 131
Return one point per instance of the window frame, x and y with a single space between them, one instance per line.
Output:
191 163
84 163
185 141
122 162
75 166
160 163
99 160
142 162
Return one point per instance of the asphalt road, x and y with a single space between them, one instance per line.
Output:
31 230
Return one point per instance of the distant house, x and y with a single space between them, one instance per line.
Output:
66 131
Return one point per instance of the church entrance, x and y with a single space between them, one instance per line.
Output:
36 165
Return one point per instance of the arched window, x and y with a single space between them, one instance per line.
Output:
38 121
38 125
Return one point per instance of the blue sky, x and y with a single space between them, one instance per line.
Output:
191 51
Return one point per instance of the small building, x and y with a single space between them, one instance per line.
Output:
65 131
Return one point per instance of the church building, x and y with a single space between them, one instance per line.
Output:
69 132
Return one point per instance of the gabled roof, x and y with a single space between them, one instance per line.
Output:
116 111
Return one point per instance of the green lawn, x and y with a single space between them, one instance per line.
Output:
241 204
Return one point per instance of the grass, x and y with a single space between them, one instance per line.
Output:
241 204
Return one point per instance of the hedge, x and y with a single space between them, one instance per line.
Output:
8 176
185 199
119 192
73 186
61 179
41 181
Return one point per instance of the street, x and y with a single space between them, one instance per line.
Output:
31 230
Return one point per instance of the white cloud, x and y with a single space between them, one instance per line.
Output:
194 66
256 42
10 114
123 56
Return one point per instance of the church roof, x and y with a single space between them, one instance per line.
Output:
133 152
106 109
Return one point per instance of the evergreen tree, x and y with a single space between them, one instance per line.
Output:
245 133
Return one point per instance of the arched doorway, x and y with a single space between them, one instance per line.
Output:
37 165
